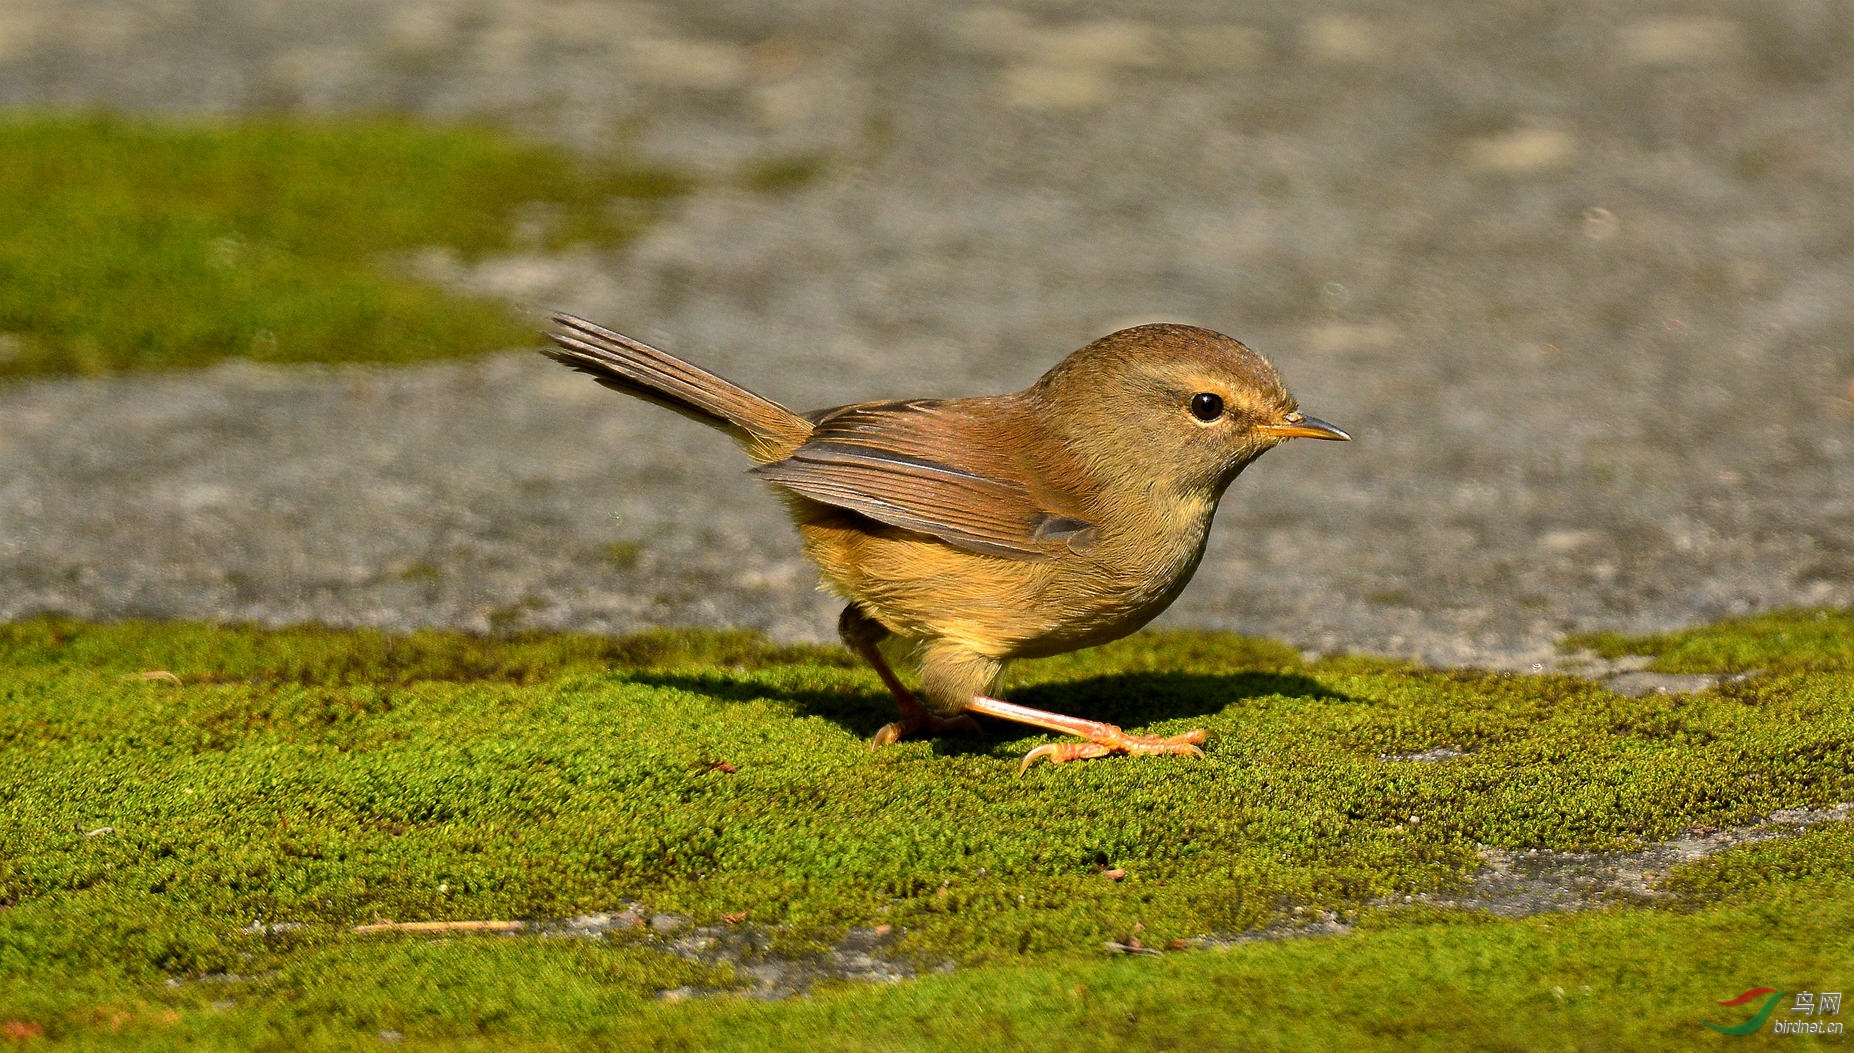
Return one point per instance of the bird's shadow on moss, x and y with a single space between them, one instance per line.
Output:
1131 700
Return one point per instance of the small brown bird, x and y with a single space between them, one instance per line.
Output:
1008 526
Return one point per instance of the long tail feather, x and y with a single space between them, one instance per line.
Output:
766 429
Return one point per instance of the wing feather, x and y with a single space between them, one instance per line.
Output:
924 466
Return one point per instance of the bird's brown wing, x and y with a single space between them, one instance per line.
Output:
942 468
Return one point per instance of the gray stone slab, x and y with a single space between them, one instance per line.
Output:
1580 281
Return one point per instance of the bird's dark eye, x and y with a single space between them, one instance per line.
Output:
1206 407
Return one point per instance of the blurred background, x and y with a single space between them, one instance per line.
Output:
1579 278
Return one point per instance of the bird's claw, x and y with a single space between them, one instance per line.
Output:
930 722
1064 752
1186 745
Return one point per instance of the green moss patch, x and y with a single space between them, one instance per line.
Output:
323 779
133 245
1785 641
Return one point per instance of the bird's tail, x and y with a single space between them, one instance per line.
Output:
767 430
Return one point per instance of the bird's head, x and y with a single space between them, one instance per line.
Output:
1182 408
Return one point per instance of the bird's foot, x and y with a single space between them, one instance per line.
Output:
922 719
1098 739
1110 741
914 716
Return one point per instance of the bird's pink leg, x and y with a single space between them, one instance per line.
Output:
914 716
1102 740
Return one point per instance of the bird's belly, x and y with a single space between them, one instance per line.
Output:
924 588
1086 609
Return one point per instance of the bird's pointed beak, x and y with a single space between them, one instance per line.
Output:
1297 425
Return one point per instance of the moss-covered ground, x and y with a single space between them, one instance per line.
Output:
138 245
324 779
1785 641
